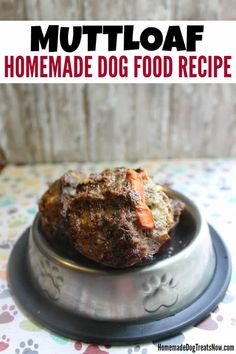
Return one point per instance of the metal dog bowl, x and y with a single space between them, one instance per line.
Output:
152 290
79 291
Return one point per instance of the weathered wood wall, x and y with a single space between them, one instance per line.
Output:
116 122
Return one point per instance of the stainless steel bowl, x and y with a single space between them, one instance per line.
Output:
173 280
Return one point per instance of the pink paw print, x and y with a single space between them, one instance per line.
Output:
94 349
7 313
4 343
211 322
77 345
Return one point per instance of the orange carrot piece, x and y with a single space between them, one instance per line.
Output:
145 217
143 213
144 175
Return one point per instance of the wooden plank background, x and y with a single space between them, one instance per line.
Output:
40 123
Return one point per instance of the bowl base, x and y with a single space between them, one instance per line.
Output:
75 327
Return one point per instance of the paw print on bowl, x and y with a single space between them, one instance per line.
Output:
27 348
50 280
159 292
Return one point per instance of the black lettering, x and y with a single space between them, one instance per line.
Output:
64 38
92 32
112 32
158 38
173 39
50 38
129 43
193 36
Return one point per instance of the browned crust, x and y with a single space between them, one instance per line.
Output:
96 216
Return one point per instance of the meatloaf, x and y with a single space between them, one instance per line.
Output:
118 217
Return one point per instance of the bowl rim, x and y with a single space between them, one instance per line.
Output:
195 211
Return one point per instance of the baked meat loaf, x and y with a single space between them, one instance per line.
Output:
117 218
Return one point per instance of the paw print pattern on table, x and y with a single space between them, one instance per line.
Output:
211 322
7 314
3 274
32 211
208 182
29 326
7 202
137 350
17 221
12 211
4 343
50 280
228 298
27 348
6 245
233 321
94 349
158 292
4 292
77 345
59 339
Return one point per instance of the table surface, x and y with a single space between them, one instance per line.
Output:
211 183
